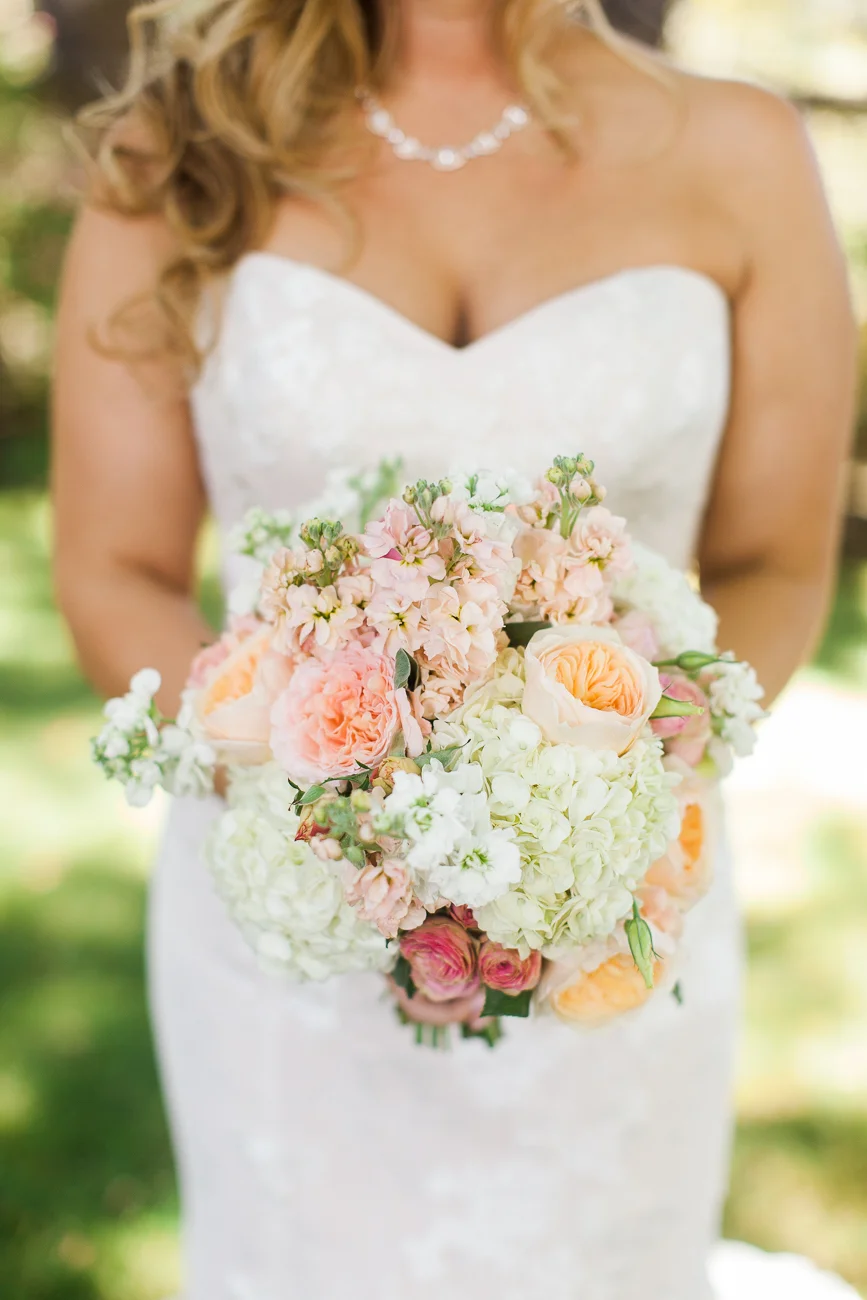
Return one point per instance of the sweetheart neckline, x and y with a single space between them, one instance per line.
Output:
264 256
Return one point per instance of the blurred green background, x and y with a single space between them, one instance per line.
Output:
87 1197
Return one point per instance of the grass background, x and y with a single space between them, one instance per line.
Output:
87 1197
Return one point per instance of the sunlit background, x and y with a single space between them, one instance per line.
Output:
87 1198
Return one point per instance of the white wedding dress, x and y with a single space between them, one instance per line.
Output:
322 1155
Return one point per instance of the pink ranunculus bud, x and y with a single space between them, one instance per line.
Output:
443 959
505 969
326 848
685 737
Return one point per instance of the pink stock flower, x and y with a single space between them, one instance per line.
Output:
382 894
599 538
339 714
278 580
443 959
686 737
394 618
459 636
405 555
464 916
555 583
324 618
503 968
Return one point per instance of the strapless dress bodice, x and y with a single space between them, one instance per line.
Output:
310 372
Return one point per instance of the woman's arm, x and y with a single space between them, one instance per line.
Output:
770 536
127 492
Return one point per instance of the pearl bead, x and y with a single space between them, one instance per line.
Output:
448 160
516 115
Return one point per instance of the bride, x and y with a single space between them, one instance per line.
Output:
293 260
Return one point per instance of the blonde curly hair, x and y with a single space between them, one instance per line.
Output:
231 104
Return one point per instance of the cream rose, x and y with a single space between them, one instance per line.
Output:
233 705
585 687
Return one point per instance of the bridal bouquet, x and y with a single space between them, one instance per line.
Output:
473 736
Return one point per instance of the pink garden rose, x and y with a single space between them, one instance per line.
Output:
637 631
382 894
687 737
504 969
464 916
420 1010
233 705
341 713
443 959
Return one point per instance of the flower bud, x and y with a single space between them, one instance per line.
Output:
385 776
640 938
326 848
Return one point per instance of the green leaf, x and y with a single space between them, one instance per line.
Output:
406 671
313 795
677 994
402 976
445 756
498 1003
520 634
490 1034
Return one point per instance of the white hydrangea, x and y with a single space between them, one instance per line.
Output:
682 620
287 902
735 695
454 851
588 823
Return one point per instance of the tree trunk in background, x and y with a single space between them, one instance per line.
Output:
91 40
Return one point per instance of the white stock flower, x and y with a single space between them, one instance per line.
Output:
735 694
454 852
145 684
681 619
287 902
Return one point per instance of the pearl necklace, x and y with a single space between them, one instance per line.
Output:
447 158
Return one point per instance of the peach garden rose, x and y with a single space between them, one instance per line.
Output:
585 687
686 870
588 995
341 713
237 691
